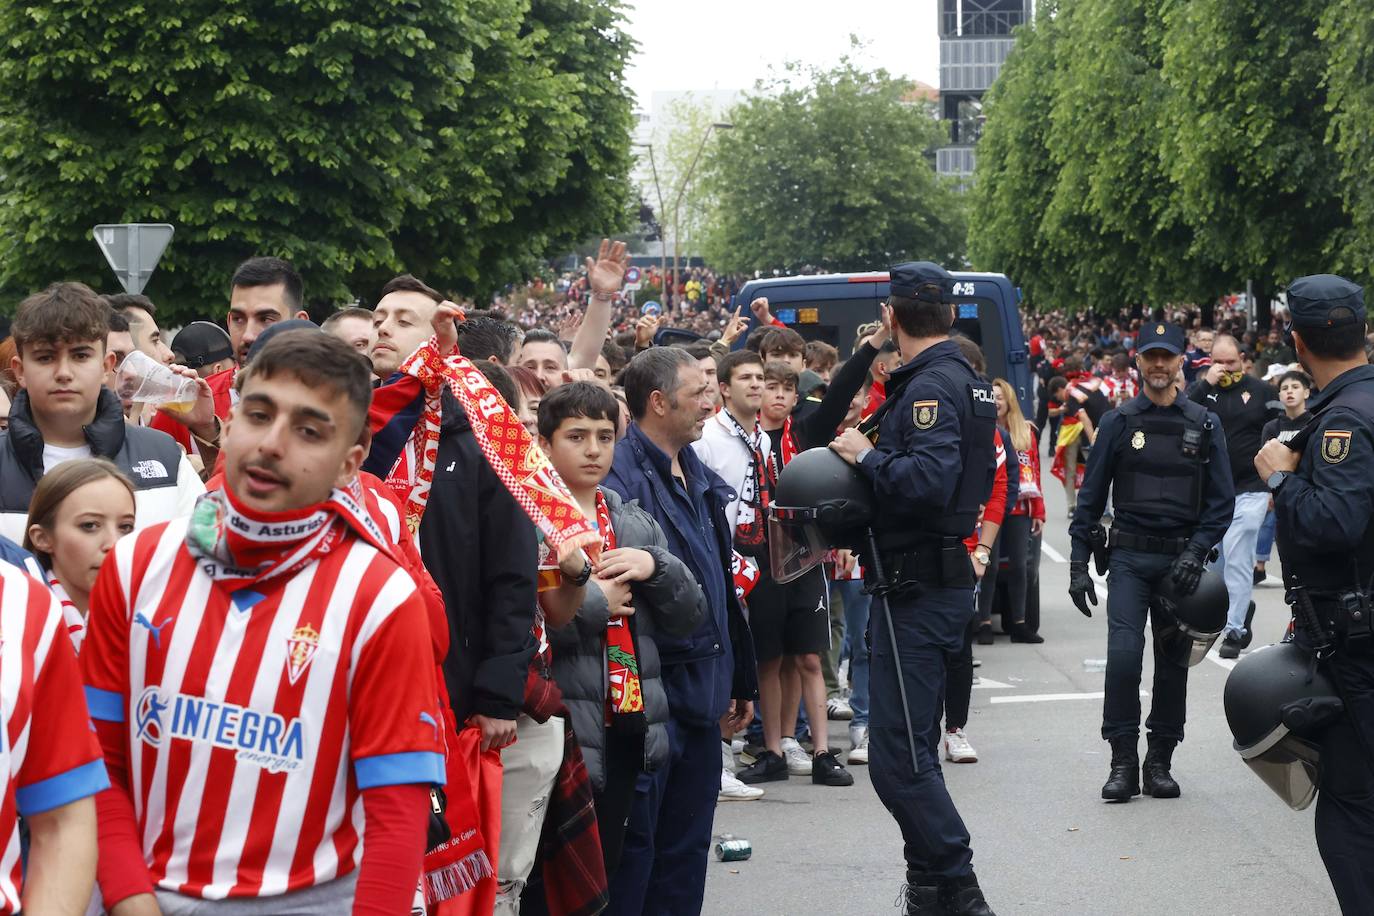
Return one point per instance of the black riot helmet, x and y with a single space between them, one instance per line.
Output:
1193 621
1277 703
821 501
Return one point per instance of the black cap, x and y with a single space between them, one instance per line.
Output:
913 279
201 343
272 330
1160 335
1325 301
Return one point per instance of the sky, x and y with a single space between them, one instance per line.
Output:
728 44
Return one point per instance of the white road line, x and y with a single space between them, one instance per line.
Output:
1050 552
988 683
1227 663
1053 697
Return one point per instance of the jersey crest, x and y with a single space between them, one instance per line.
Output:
1335 445
923 413
300 651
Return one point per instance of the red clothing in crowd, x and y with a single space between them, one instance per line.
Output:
996 506
1031 500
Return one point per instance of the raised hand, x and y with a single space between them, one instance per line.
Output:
606 273
734 327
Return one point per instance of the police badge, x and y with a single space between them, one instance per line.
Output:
1335 445
923 413
1138 439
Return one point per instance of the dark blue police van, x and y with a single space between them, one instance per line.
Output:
831 307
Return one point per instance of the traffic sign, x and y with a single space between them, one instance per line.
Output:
632 280
133 250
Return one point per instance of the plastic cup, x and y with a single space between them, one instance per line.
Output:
144 380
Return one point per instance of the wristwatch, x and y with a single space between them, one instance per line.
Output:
1276 480
982 554
583 576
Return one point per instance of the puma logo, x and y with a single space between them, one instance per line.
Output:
155 629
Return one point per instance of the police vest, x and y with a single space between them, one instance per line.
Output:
1161 461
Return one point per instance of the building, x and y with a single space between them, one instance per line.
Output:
975 38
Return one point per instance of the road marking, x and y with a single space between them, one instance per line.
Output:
988 683
1227 663
1050 552
1053 697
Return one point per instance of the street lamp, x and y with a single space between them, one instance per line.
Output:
677 204
662 242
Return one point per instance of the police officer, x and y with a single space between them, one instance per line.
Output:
1164 457
931 469
1323 486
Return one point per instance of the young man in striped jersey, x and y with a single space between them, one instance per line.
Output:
261 674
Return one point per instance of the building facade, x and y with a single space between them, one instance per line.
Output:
975 38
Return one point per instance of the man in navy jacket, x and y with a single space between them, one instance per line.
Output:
710 673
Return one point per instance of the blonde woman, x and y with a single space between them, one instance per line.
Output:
1021 531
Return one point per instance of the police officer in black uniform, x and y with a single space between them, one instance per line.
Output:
932 469
1164 457
1323 486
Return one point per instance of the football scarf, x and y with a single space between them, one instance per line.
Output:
505 443
750 533
789 446
622 665
72 618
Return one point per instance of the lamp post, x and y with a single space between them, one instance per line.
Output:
662 242
677 204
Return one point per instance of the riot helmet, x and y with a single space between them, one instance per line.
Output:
1277 704
820 502
1193 622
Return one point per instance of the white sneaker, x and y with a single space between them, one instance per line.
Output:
727 757
731 789
736 744
838 708
798 760
859 752
957 748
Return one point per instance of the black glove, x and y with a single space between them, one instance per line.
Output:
1187 569
1081 588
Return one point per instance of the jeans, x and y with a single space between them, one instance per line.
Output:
1265 545
529 768
1131 578
1238 557
855 604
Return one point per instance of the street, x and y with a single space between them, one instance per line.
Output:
1044 842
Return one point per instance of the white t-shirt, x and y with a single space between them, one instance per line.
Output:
722 450
53 455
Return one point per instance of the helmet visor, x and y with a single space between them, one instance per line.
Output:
795 544
1288 765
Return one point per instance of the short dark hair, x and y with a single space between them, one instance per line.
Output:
122 301
820 355
779 372
62 313
699 349
577 399
501 380
352 311
654 369
1341 342
320 361
118 324
727 364
270 272
755 339
541 335
409 283
783 340
615 355
972 352
482 338
1296 375
921 317
1120 361
1057 382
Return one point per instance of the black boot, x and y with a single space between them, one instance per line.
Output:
963 897
1249 630
1158 758
1124 782
921 895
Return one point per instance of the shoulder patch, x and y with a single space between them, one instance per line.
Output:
1335 445
924 413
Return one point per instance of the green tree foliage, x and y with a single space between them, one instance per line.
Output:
459 139
832 173
1347 29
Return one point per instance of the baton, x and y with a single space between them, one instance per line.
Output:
879 593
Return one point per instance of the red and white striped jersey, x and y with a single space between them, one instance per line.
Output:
51 759
1120 390
254 719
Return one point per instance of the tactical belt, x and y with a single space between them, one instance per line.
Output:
1146 543
937 562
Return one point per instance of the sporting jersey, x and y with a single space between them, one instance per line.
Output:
252 720
51 759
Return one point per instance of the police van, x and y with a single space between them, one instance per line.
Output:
831 307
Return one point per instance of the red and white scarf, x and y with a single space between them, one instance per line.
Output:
622 664
751 528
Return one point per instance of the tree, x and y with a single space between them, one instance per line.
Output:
1347 31
834 173
458 138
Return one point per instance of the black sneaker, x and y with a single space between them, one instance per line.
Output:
1230 647
827 771
1260 574
769 767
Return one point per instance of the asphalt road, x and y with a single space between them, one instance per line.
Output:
1044 842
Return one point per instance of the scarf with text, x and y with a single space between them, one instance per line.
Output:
622 665
505 444
751 520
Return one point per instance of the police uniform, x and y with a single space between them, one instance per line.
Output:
1325 513
1172 496
931 468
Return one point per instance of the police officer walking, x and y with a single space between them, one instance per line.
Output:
1323 486
1165 459
931 470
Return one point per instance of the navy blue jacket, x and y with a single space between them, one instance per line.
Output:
703 671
